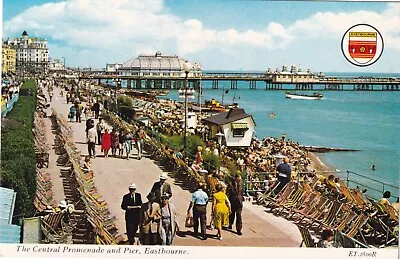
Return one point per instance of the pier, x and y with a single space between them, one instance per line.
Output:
326 83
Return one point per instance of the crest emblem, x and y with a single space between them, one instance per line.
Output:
362 45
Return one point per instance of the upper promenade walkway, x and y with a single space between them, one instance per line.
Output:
113 176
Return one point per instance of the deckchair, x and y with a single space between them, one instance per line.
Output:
282 195
323 206
294 200
262 197
329 217
314 207
309 203
346 221
307 239
358 223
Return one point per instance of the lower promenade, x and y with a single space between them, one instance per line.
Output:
112 177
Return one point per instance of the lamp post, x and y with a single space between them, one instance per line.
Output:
117 82
219 135
186 93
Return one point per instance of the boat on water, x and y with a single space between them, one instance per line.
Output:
296 96
212 106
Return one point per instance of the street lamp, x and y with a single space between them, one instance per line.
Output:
186 93
219 135
117 82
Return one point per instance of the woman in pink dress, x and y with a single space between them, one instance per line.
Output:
106 142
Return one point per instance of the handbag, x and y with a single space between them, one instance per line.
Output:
189 223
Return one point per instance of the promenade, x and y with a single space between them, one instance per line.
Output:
112 177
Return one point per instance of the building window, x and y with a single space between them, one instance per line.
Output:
239 133
239 129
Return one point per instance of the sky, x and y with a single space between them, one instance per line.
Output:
220 34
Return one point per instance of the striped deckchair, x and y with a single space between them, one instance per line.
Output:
391 212
262 198
282 195
346 221
315 211
307 240
294 200
358 223
330 216
310 201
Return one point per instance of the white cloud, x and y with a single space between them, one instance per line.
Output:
126 28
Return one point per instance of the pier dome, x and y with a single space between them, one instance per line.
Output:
156 65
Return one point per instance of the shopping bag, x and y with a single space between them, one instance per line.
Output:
189 221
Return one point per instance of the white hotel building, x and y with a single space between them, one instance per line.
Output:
32 54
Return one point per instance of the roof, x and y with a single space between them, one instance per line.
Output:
8 233
7 201
234 114
156 62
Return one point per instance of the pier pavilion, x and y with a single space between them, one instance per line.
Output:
157 71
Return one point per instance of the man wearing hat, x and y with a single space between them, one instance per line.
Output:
131 203
150 216
161 188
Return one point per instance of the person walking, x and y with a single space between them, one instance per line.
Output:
96 109
140 135
235 194
220 209
114 142
72 113
121 140
131 204
199 204
161 188
91 141
284 174
89 125
100 129
168 224
78 112
106 142
128 142
150 217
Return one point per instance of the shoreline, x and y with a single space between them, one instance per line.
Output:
319 166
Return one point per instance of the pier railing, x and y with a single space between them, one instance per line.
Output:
380 189
353 180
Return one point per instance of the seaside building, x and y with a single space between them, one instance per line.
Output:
159 71
158 65
56 65
236 125
8 61
293 76
32 54
112 68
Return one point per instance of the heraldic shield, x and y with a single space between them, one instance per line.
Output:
362 46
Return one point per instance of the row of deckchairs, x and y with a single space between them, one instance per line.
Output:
308 208
97 212
44 193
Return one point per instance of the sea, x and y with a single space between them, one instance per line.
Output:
361 120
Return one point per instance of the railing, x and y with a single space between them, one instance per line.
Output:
9 105
351 183
384 186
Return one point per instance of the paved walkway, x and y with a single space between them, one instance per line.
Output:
114 175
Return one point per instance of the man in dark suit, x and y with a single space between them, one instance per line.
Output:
235 194
161 188
131 203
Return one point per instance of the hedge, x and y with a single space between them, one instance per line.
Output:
18 161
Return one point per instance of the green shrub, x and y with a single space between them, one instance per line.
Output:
211 162
193 141
18 168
